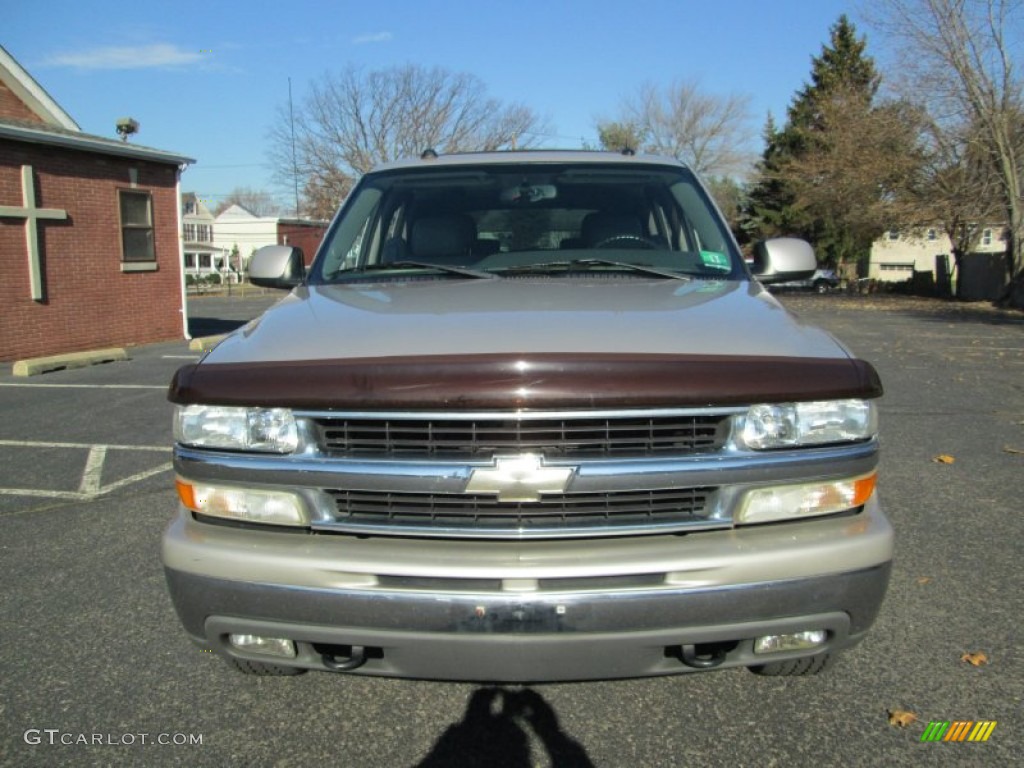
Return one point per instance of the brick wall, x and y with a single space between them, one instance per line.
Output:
11 107
89 302
304 236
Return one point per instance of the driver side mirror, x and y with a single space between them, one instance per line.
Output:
782 259
277 266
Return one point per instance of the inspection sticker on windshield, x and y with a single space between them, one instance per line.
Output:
714 259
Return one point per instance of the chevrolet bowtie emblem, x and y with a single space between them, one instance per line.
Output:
519 478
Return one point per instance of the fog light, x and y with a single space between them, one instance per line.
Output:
797 641
249 504
795 502
269 646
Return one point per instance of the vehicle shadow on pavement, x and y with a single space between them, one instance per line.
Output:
494 732
215 315
212 326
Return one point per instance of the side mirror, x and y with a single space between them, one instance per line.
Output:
782 259
277 266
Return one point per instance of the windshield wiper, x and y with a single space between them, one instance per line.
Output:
397 265
550 266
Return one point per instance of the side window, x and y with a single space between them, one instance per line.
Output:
136 226
351 257
346 240
702 229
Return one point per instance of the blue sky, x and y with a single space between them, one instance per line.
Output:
206 79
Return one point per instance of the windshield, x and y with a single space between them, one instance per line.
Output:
509 220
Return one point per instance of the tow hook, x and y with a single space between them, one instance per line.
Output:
355 660
691 658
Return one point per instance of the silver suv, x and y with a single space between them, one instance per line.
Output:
527 417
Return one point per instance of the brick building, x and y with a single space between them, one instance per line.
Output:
90 251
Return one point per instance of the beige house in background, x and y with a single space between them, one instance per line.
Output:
898 254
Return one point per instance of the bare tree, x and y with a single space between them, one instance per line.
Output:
709 132
956 190
354 120
257 201
323 193
959 53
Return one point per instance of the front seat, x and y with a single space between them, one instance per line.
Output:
446 239
602 226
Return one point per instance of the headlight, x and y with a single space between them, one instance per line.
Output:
789 425
270 430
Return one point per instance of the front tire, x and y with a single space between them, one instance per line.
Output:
796 667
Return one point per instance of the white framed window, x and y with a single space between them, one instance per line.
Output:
137 238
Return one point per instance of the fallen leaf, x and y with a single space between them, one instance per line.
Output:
944 458
975 658
924 580
1011 449
901 718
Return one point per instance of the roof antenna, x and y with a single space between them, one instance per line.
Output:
429 154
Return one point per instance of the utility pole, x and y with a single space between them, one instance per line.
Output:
295 165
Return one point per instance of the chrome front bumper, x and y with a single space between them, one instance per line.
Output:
548 617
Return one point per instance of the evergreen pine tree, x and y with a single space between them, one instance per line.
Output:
841 72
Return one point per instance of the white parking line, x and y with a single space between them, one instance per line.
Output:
82 386
93 473
90 487
41 444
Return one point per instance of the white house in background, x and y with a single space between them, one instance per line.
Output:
898 254
237 230
202 257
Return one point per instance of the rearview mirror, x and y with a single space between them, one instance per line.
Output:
277 266
782 259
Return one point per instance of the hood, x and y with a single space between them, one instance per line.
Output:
607 316
525 343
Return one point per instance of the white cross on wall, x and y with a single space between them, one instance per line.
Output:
32 216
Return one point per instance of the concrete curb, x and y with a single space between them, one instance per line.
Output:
37 365
206 342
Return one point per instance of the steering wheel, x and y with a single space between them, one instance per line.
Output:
625 241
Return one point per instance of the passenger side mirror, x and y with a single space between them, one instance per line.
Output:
782 259
277 266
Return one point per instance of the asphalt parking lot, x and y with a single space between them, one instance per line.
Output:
95 670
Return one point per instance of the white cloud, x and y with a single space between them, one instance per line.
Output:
376 37
128 57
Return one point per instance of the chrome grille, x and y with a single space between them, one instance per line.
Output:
482 515
625 435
